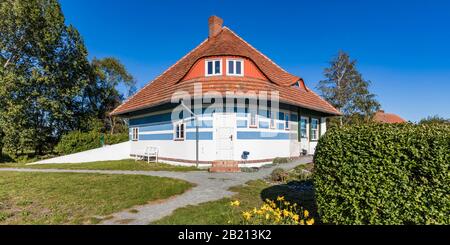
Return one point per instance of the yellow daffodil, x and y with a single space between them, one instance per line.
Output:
310 222
280 198
286 203
235 203
286 212
267 216
295 218
302 222
306 213
246 215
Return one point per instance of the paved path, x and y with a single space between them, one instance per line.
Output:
209 187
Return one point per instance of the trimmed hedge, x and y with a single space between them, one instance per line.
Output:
77 141
384 174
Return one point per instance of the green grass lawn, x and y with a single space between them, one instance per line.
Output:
250 195
73 198
107 165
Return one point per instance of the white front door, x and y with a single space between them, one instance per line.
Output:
224 135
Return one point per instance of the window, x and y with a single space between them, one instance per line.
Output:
272 120
179 131
135 134
253 120
304 127
213 67
286 121
314 129
235 67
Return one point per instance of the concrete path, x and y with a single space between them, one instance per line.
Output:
210 187
107 153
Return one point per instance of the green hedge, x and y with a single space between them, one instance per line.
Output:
77 141
384 174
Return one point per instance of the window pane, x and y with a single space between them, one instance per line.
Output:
253 119
177 134
230 67
238 67
182 131
210 67
217 67
286 121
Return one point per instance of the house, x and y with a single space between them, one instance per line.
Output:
225 101
382 117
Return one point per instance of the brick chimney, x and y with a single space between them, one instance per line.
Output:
215 25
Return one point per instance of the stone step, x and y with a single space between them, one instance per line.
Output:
225 167
225 170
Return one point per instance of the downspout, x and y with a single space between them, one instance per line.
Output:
196 132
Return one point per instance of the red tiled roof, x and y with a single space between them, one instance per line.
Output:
382 117
225 43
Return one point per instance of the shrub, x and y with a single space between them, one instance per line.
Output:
279 175
280 160
384 174
77 141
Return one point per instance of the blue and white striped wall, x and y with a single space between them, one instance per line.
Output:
157 129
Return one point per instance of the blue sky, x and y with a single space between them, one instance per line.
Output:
403 47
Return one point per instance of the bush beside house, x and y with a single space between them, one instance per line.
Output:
77 141
384 174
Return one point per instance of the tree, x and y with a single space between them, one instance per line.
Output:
345 88
102 93
434 120
43 71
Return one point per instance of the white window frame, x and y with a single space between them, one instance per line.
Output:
214 66
135 134
272 122
287 123
315 130
176 126
306 120
235 66
250 125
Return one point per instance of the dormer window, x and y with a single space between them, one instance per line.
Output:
213 67
235 67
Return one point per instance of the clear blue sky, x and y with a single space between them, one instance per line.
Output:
403 47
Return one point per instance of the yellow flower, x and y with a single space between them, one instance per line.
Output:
310 222
295 217
302 222
247 215
280 198
235 203
267 216
285 212
306 213
287 203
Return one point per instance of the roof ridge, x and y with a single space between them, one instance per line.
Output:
156 78
259 52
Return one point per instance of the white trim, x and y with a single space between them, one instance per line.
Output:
318 130
272 120
214 66
235 66
135 134
250 125
306 127
175 128
288 122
